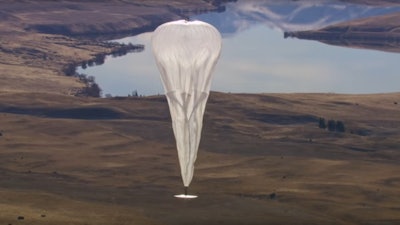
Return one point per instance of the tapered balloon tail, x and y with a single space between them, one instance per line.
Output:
186 195
186 53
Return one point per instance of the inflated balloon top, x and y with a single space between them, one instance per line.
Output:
186 53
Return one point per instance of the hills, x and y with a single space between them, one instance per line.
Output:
263 158
40 39
292 16
379 33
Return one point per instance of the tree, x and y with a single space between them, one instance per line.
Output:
90 62
331 125
322 123
99 59
340 126
69 69
92 88
84 65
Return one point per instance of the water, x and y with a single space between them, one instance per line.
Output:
257 59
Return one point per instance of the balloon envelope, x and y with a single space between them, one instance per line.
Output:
186 53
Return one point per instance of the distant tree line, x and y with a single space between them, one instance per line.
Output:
332 125
118 49
218 4
121 50
133 94
91 87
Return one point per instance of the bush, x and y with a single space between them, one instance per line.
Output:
322 123
92 89
340 126
69 70
331 125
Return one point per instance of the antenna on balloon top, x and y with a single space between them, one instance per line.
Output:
186 19
187 88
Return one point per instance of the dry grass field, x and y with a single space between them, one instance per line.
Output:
262 160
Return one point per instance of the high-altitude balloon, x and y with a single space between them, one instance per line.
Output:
186 53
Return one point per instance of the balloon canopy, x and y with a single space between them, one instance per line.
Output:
186 53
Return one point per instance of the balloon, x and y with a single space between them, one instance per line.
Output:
186 53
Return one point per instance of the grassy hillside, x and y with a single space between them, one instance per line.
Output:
262 159
40 39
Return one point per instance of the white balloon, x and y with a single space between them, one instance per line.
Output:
186 53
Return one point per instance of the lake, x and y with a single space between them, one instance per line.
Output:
256 58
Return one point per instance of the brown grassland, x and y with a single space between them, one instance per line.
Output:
262 159
121 167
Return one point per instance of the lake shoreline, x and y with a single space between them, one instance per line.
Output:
37 54
38 50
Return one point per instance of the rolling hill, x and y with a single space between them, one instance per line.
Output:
262 159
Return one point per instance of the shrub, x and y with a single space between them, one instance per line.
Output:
69 70
340 126
92 88
322 123
331 125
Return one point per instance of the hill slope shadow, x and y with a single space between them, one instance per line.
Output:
86 113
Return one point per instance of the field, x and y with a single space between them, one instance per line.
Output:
263 158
